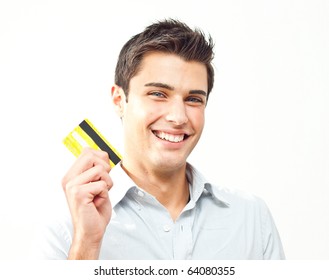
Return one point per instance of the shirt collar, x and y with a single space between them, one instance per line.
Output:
122 183
199 185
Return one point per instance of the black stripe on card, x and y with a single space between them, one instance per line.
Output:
99 141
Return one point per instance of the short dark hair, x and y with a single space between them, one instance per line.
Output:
168 36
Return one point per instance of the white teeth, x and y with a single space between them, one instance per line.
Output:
169 137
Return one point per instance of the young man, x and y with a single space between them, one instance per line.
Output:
154 205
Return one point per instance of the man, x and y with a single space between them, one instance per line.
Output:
154 205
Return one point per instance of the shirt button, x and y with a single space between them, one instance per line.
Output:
140 193
166 228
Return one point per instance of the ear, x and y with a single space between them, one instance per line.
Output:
118 99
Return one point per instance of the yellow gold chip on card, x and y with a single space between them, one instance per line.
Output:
86 135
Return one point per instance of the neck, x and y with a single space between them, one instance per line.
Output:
170 188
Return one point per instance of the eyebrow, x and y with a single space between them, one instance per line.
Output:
160 85
166 86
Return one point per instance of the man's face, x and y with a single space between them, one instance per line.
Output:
164 116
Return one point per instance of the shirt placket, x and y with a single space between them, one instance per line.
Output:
182 236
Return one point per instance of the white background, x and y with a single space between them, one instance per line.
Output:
267 128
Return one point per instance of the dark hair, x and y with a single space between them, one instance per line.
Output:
168 36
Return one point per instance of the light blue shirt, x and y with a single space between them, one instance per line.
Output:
217 223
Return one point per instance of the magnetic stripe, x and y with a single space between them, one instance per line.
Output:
99 141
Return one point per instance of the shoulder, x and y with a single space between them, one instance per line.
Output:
237 198
236 195
228 195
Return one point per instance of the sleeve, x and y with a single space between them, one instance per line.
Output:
272 246
52 241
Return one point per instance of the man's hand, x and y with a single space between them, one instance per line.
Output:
86 187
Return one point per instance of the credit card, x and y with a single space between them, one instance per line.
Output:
86 135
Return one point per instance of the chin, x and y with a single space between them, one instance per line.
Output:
170 164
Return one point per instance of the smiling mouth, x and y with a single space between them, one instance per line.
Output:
173 138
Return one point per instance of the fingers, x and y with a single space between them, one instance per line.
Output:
100 194
94 174
88 159
94 192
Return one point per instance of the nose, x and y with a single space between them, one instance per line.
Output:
177 112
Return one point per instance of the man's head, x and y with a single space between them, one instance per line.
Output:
166 74
168 36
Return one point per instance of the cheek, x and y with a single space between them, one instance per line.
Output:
196 118
147 112
137 118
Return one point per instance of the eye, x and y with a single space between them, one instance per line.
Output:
157 94
196 100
